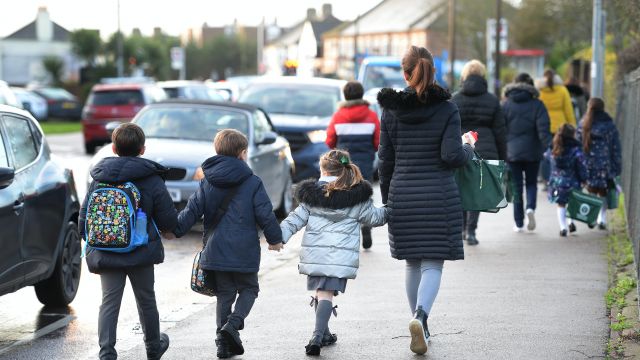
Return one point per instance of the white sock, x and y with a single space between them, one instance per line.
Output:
562 218
602 216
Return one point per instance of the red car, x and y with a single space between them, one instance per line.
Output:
114 102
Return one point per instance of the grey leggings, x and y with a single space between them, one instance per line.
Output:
423 282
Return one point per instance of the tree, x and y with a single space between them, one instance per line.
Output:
87 44
54 67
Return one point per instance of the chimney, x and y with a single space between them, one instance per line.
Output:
44 26
311 14
157 31
136 32
326 11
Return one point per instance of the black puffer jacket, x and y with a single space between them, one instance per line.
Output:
420 146
480 111
146 175
528 134
234 245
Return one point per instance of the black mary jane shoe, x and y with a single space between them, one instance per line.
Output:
313 348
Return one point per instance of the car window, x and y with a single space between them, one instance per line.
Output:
299 100
155 94
172 93
260 125
117 97
37 136
380 76
23 145
56 93
4 161
190 123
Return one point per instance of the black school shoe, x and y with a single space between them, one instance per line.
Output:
563 233
164 345
313 348
329 339
366 238
472 239
223 347
232 337
419 332
572 228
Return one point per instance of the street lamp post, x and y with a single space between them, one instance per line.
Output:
496 81
119 60
597 57
452 42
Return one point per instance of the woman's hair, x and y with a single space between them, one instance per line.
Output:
524 78
594 104
338 163
549 76
473 67
565 131
418 67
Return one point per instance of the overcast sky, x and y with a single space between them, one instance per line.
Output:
174 17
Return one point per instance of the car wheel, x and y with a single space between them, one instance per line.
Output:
288 202
90 148
61 288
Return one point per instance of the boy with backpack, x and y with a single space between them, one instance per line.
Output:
126 204
232 250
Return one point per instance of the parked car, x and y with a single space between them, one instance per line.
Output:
38 214
114 102
60 103
179 135
300 109
187 89
32 102
8 97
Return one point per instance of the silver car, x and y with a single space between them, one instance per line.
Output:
179 135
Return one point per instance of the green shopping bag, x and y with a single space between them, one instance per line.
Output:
481 185
583 207
613 197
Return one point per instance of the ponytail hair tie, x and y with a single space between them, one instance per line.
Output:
344 160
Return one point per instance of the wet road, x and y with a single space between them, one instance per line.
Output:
30 331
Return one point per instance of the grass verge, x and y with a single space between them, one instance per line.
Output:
622 296
53 127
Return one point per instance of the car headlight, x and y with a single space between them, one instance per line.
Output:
317 136
198 174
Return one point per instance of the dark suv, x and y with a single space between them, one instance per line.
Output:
114 102
38 214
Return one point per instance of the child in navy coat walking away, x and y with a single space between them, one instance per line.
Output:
332 209
232 251
568 172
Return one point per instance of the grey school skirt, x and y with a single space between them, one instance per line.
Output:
326 283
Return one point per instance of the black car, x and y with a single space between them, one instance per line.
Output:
38 214
61 103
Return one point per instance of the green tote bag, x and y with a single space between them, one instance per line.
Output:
481 185
583 207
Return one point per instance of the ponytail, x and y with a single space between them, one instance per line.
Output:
594 104
338 163
417 64
549 75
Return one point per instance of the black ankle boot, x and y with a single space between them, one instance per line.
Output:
329 339
419 332
232 337
313 348
223 347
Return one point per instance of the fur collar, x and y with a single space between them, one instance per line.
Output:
521 86
311 193
352 103
394 100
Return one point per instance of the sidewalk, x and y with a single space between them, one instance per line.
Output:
516 296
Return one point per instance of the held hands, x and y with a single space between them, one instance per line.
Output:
277 247
168 235
470 138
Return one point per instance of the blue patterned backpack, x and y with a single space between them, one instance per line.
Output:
114 220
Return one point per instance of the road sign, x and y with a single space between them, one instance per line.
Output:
177 58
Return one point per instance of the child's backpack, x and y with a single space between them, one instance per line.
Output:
114 220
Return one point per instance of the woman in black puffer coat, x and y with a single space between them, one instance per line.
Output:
420 146
480 111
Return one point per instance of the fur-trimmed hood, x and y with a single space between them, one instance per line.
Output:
352 103
311 192
520 92
390 99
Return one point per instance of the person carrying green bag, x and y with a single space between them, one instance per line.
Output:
481 185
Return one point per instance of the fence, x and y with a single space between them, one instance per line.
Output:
628 123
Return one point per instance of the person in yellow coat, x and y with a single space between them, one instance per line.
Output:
557 100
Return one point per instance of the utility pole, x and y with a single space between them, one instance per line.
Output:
260 41
597 43
496 81
119 60
452 42
355 48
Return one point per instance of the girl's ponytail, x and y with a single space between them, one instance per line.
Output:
417 64
338 163
594 104
565 131
549 75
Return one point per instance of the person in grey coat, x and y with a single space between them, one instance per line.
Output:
420 146
332 209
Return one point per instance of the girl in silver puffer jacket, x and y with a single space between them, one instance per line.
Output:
332 209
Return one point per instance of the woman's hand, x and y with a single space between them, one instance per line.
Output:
470 138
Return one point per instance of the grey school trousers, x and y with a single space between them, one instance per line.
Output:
237 290
113 282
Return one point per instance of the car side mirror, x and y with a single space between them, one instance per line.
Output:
268 138
111 126
6 177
